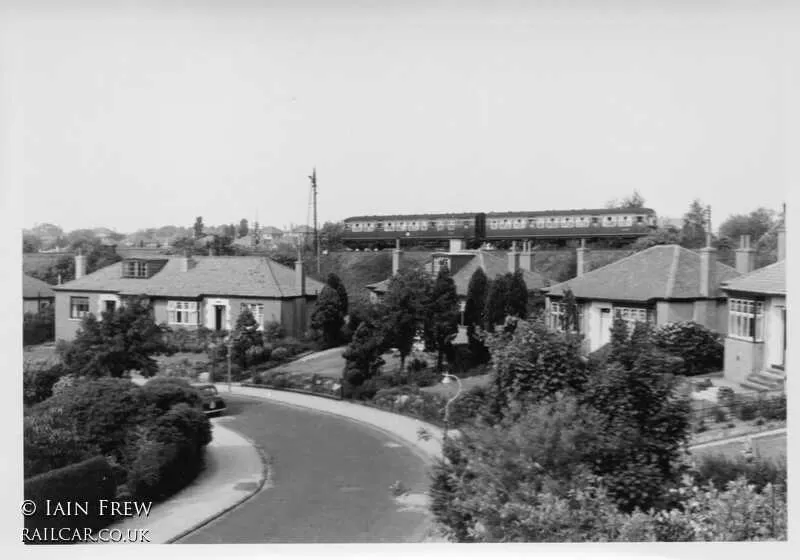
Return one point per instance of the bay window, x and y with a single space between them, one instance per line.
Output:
746 319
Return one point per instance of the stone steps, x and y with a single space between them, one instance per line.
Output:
767 380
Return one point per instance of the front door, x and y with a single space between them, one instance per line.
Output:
605 326
219 317
111 306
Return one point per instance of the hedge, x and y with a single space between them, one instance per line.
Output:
38 327
86 483
162 393
700 348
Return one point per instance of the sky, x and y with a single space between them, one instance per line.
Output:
140 114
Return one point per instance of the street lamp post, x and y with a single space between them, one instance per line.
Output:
229 341
447 377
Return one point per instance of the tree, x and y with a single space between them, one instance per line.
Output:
634 200
124 340
668 235
243 228
474 310
756 224
245 336
693 233
620 341
517 302
30 243
363 357
198 227
443 314
495 312
327 319
330 236
405 304
336 283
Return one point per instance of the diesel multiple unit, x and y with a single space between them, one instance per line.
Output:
500 226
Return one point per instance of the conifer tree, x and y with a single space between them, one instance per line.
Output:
517 302
442 323
496 302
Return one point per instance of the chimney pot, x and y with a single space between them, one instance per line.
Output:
745 256
300 276
396 255
80 265
513 258
580 254
708 271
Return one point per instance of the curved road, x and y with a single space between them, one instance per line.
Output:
330 480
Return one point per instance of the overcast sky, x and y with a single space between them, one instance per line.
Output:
139 114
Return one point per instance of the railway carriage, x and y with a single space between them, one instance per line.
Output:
476 228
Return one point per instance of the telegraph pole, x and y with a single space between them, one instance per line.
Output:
313 178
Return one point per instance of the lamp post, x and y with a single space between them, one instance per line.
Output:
447 377
229 341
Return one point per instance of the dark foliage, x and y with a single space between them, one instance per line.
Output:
700 348
327 319
442 315
38 381
39 327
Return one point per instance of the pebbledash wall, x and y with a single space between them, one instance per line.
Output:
293 314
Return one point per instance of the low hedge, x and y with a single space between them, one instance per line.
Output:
315 384
86 483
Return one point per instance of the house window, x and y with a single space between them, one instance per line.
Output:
136 269
257 309
182 312
78 307
558 316
746 319
631 316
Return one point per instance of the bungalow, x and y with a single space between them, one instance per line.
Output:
659 285
463 264
755 345
191 291
36 295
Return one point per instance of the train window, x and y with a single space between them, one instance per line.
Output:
414 226
581 221
651 220
566 222
531 223
609 221
467 223
506 223
388 227
356 227
595 221
551 222
640 220
625 221
423 225
440 225
451 224
541 222
518 223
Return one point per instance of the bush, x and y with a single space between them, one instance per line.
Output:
469 405
280 354
719 414
257 355
424 378
700 348
411 401
417 364
746 410
703 384
219 373
273 331
51 441
181 339
181 370
721 470
726 397
89 481
39 327
101 411
169 453
162 393
38 381
772 408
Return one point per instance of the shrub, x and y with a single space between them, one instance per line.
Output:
746 410
726 396
280 354
38 327
700 348
51 441
719 414
721 470
88 481
417 364
38 381
103 411
169 453
181 370
257 355
162 393
219 373
703 384
424 378
469 405
273 331
772 408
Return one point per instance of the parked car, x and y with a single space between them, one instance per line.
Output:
212 402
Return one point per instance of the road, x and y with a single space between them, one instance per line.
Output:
330 481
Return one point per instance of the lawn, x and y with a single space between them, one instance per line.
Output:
330 363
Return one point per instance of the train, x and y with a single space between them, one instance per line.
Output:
475 229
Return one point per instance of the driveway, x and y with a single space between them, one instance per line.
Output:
330 481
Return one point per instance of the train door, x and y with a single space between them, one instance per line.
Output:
480 227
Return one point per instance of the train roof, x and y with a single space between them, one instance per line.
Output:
455 215
462 215
577 212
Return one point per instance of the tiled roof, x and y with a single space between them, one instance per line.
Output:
493 265
232 276
660 272
768 280
271 230
33 288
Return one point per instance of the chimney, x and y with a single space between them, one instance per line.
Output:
185 262
745 256
80 265
396 254
580 253
513 258
300 276
708 271
526 257
782 237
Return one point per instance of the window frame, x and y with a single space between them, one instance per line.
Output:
746 319
177 309
78 316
